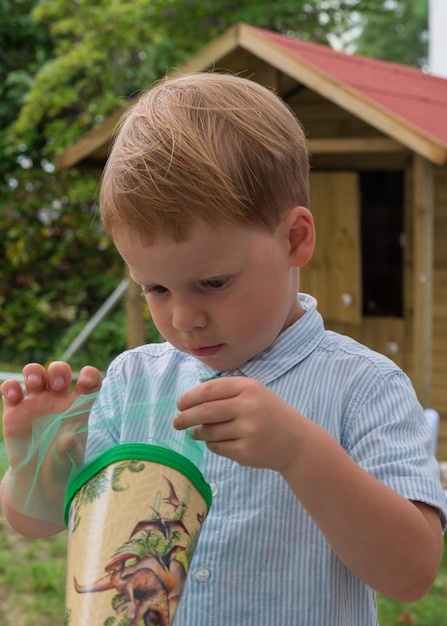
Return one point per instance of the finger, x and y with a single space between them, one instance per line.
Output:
224 448
215 389
214 433
212 412
59 376
71 449
65 456
89 380
35 378
12 393
237 450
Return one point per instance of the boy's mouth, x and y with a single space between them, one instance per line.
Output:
204 351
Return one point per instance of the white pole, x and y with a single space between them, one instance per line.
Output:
437 22
100 314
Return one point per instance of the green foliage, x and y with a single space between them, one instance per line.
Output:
396 31
57 265
24 47
101 54
54 257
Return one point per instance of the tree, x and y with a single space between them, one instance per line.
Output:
395 30
49 275
25 45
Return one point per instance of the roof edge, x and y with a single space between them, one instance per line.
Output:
252 39
91 141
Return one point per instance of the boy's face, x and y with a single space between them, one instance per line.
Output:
223 295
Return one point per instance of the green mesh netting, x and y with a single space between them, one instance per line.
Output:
42 464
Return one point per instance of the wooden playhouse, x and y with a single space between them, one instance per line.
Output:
377 134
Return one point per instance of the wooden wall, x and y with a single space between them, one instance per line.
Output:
322 119
440 307
439 353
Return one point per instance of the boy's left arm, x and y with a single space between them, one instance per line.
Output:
391 543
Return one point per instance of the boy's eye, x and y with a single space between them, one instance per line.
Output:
154 289
215 283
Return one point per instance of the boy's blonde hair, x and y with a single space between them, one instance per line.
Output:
212 147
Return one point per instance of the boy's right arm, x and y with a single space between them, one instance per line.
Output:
47 392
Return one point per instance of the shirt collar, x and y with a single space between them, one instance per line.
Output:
292 346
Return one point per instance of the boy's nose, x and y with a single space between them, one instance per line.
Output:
186 317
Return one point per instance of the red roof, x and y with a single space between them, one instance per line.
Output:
409 93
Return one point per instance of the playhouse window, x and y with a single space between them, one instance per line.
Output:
381 210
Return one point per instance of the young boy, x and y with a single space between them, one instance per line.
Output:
324 485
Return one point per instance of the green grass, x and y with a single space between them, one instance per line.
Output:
32 579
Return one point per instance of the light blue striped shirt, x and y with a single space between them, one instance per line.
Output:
261 559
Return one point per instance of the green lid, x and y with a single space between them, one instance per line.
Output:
139 452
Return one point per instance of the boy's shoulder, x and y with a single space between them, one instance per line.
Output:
325 346
347 348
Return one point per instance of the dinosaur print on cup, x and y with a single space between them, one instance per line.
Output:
132 530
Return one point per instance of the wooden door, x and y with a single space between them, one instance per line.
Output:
333 275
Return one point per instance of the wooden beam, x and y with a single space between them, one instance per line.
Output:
341 94
356 145
209 55
423 231
98 138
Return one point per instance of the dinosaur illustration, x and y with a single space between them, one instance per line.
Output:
142 589
172 499
149 584
149 570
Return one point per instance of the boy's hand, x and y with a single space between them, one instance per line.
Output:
47 393
241 419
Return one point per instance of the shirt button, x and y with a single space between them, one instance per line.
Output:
235 373
214 489
202 574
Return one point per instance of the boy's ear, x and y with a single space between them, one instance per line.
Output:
301 235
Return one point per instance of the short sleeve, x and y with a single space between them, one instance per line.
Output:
390 438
